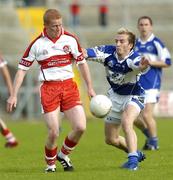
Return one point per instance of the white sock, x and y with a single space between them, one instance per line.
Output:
62 155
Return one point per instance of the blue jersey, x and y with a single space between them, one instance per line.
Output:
154 50
123 76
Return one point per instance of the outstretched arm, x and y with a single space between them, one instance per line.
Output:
7 78
93 54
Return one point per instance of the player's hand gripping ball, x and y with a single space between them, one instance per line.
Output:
100 106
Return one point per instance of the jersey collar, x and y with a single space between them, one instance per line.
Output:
151 37
44 34
122 60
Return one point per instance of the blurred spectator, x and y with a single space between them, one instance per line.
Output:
10 138
75 11
159 57
29 2
103 11
35 2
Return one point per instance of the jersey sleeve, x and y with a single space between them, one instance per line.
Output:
163 53
134 64
28 58
98 53
77 52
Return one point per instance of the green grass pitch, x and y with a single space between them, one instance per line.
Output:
92 159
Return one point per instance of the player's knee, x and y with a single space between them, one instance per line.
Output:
80 129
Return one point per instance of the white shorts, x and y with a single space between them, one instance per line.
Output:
152 96
119 103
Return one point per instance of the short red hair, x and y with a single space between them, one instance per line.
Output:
51 14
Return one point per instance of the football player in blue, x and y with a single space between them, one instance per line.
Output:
155 51
123 67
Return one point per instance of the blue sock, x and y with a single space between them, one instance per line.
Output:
153 141
133 158
146 132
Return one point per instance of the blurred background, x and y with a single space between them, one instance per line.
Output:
95 22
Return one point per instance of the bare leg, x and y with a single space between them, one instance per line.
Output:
141 125
113 138
77 119
52 123
152 141
10 138
128 118
147 115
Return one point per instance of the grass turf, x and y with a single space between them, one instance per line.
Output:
92 159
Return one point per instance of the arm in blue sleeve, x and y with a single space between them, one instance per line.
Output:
91 53
94 55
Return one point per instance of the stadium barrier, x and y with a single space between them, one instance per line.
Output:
165 106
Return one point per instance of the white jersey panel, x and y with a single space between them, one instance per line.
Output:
55 58
56 72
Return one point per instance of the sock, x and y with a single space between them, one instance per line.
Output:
67 147
133 157
133 154
50 156
153 141
8 135
146 132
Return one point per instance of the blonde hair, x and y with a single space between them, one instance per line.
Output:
51 14
131 35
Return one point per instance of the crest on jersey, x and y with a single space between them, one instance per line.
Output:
150 48
136 49
110 64
66 49
45 52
